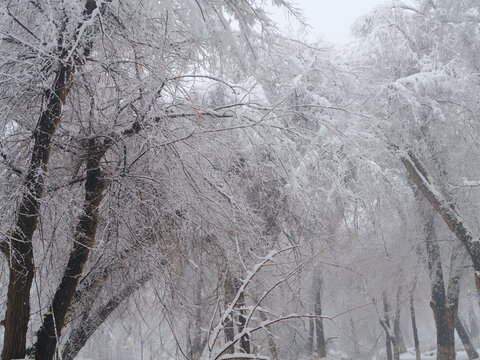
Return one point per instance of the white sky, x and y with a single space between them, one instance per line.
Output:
331 19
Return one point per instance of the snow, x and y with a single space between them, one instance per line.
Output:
244 356
410 355
471 182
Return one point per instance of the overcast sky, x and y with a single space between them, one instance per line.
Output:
332 18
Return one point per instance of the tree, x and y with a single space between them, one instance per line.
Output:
423 85
100 101
189 150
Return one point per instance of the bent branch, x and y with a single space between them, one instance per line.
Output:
452 218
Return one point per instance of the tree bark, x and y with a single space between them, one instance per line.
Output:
321 348
386 311
228 328
467 343
93 283
90 323
402 346
414 325
396 326
241 321
272 348
457 261
84 300
53 321
473 324
188 332
197 347
451 217
18 246
311 334
442 312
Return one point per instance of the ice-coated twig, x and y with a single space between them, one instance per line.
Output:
263 325
229 310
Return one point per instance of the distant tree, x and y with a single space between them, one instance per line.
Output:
424 81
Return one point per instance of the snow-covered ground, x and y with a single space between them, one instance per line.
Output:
461 355
410 355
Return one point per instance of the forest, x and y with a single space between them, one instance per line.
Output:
182 180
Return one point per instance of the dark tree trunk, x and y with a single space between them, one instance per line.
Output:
467 343
189 341
446 210
53 321
402 346
457 261
396 326
444 317
386 312
85 295
228 328
197 347
229 334
321 348
93 283
241 321
414 326
311 334
272 348
90 322
18 245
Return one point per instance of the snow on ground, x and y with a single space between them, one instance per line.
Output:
410 355
338 355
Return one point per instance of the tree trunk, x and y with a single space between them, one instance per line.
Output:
90 323
442 313
451 217
414 326
197 348
311 334
241 321
272 348
473 324
457 261
93 283
402 346
188 347
467 343
228 327
53 321
396 326
321 348
18 246
386 311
